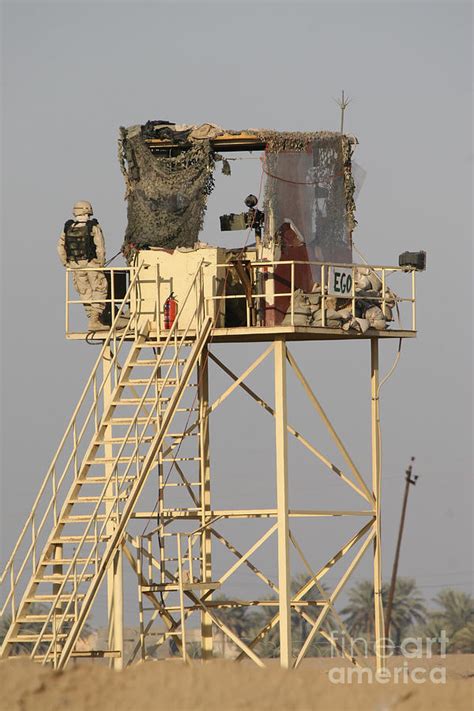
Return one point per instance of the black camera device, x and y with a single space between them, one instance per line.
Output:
252 219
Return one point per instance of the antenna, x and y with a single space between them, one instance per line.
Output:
343 103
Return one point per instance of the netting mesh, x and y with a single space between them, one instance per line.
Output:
166 195
309 185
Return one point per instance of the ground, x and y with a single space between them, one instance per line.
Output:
225 686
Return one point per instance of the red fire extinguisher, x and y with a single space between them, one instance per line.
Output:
170 310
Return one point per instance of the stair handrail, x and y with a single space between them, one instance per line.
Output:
9 566
173 332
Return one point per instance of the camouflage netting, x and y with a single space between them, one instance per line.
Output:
309 180
166 195
336 145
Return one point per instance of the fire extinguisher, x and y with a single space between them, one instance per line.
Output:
170 310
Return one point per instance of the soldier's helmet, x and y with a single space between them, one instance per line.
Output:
83 207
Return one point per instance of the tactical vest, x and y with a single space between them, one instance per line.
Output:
79 241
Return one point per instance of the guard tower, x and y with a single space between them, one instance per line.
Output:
130 485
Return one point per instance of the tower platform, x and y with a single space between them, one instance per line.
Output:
263 334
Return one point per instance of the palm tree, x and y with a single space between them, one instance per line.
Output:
239 619
463 640
455 617
359 613
408 608
457 610
302 627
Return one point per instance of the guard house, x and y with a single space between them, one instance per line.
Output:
130 485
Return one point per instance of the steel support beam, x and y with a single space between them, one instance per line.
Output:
115 571
376 492
205 479
281 449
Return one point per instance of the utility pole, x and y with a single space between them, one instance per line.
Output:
408 481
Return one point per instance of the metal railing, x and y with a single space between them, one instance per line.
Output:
123 482
44 516
49 507
263 299
150 306
112 302
265 277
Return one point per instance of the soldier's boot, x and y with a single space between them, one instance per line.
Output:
95 324
122 322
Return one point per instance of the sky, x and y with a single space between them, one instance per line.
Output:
73 72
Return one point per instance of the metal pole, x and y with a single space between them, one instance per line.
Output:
115 571
118 662
57 570
343 103
181 598
393 582
281 444
205 479
376 491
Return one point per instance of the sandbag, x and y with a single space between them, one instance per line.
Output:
375 317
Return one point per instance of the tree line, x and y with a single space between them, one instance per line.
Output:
451 611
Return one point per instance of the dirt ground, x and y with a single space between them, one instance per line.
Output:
223 686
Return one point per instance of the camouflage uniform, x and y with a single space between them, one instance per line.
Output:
80 247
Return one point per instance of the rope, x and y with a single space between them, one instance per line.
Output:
297 182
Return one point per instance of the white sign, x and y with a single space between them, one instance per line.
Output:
340 281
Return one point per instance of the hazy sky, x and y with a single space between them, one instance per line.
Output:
73 72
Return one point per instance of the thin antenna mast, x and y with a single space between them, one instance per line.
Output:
343 103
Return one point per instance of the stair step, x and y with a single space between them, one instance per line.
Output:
34 637
137 400
144 381
58 578
151 363
95 499
26 619
83 518
128 420
65 561
168 382
102 479
78 539
120 440
107 460
52 597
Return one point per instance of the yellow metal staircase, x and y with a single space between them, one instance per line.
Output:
92 487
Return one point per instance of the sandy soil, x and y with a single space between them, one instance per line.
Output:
171 686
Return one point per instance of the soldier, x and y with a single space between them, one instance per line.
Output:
81 246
